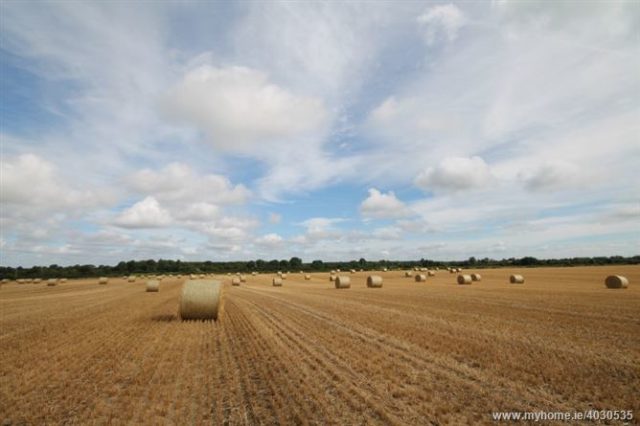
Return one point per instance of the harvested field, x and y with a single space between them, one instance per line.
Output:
435 353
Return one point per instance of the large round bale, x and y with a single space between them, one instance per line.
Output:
374 281
52 282
431 273
243 279
307 277
408 274
277 282
516 279
104 280
476 277
616 281
153 286
235 281
420 277
200 300
464 279
342 281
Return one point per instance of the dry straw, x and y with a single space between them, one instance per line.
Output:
200 299
516 279
277 282
464 279
616 281
235 281
421 277
104 280
153 286
374 281
476 277
342 281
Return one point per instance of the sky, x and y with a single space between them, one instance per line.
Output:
324 130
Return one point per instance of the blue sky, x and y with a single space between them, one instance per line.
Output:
328 130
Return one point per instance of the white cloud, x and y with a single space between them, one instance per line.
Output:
379 205
269 240
442 21
455 174
241 110
146 213
551 175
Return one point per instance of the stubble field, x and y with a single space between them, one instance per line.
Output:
306 353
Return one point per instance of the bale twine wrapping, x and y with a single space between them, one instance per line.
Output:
374 281
408 274
420 277
431 273
153 286
307 277
52 281
342 281
616 281
464 279
235 281
476 277
200 299
516 279
277 282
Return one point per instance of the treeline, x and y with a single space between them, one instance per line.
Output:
163 266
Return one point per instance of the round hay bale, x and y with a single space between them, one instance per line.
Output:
52 282
332 277
200 299
63 280
516 279
431 273
307 277
384 269
616 281
420 277
104 280
342 281
132 279
153 286
352 271
243 279
277 282
464 279
254 273
192 277
476 277
235 281
302 272
283 276
374 281
5 280
408 274
333 271
337 270
37 281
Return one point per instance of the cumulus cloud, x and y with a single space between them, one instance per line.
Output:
379 205
455 174
551 175
441 22
269 240
241 110
144 214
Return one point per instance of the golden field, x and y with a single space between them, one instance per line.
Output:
305 353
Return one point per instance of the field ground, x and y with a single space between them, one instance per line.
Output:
306 353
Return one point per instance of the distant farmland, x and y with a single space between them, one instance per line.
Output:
307 353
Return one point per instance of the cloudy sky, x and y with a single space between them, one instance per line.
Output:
334 131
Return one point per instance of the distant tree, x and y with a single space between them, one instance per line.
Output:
295 263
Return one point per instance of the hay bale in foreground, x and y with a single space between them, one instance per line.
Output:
51 282
616 281
374 281
342 281
408 274
153 286
464 279
307 277
277 282
476 277
516 279
420 277
235 281
200 299
104 280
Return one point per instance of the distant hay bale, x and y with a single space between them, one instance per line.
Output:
283 276
332 277
104 280
431 273
352 271
476 277
192 277
153 286
254 273
235 281
464 279
384 269
277 282
63 280
37 281
52 282
374 281
201 276
452 270
307 277
516 279
616 281
337 270
200 299
21 280
243 279
408 274
420 277
302 272
342 281
132 279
